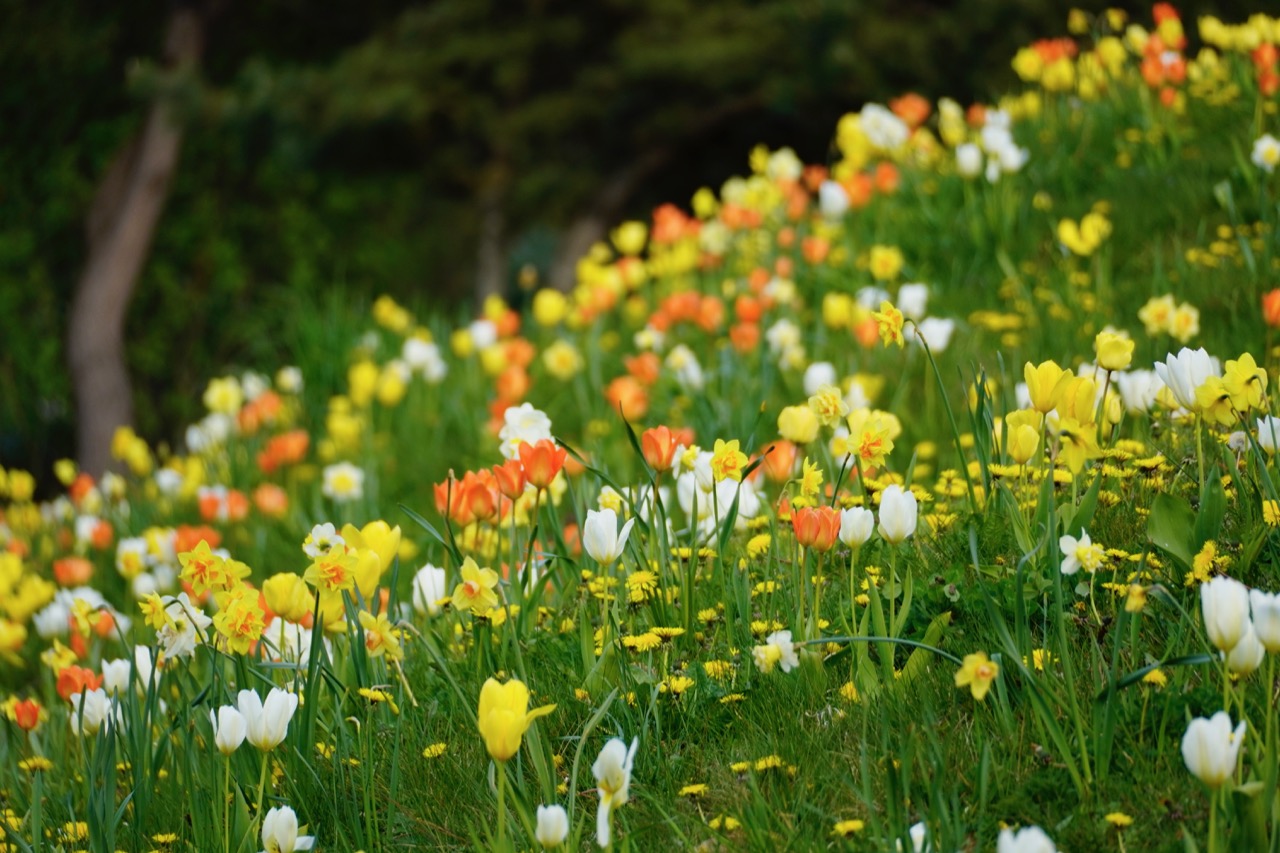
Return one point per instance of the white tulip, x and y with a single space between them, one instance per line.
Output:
229 729
1247 654
89 711
612 770
1269 433
1266 618
268 722
1029 839
1210 748
428 589
968 160
833 201
600 536
898 513
913 299
280 832
936 332
553 826
1225 605
1185 372
115 676
1138 388
819 374
856 526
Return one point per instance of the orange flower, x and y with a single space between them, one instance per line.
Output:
627 394
745 337
77 679
659 447
188 537
542 461
102 535
1271 308
510 478
816 527
72 571
779 460
285 449
911 108
271 500
645 367
27 714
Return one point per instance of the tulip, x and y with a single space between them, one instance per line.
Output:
280 832
510 478
913 299
504 716
1029 839
267 723
1045 383
934 332
600 536
1184 373
542 461
1265 608
1022 443
229 729
898 511
798 424
89 711
1115 352
553 826
288 596
1210 748
818 374
1269 433
376 536
856 526
833 201
1225 604
1247 654
27 714
658 446
612 770
115 676
816 527
428 589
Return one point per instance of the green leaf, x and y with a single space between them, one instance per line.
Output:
1213 508
1170 527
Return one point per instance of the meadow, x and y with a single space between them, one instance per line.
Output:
925 499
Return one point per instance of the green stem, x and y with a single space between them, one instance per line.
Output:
226 807
502 806
262 792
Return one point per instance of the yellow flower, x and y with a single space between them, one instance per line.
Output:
811 479
378 537
889 323
549 307
885 262
1157 314
629 237
727 461
977 673
1114 352
693 790
1214 402
847 828
1076 443
1271 513
1245 382
828 406
504 716
333 571
435 750
287 596
1045 384
798 424
1022 442
203 569
476 591
240 621
1119 819
380 636
152 607
1136 599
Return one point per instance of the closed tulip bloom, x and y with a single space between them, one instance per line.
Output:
1265 608
612 770
1022 443
229 729
89 711
600 536
1269 433
504 716
267 723
816 527
1247 654
658 445
1225 605
280 832
1115 352
1184 373
1029 839
1045 383
856 526
553 826
1210 748
898 512
428 589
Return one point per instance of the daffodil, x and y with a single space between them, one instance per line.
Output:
476 591
977 673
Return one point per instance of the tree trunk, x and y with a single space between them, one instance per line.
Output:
120 227
491 254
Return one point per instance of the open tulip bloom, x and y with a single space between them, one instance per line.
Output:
601 538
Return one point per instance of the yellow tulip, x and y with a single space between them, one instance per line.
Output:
379 537
1045 383
1023 442
288 596
504 716
1115 352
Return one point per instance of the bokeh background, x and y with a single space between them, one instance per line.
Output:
434 151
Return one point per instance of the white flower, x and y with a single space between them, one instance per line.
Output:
1265 608
818 374
322 539
1225 605
428 589
1185 372
1269 433
898 513
600 536
833 201
883 129
553 826
871 297
778 650
913 299
1079 553
856 526
1029 839
522 424
280 832
683 364
484 334
89 711
187 623
968 160
268 722
1247 654
168 481
612 770
782 335
1210 748
424 357
228 729
343 482
289 380
1138 388
785 165
935 331
1266 153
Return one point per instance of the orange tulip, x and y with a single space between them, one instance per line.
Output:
1271 308
659 448
510 478
816 527
542 461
